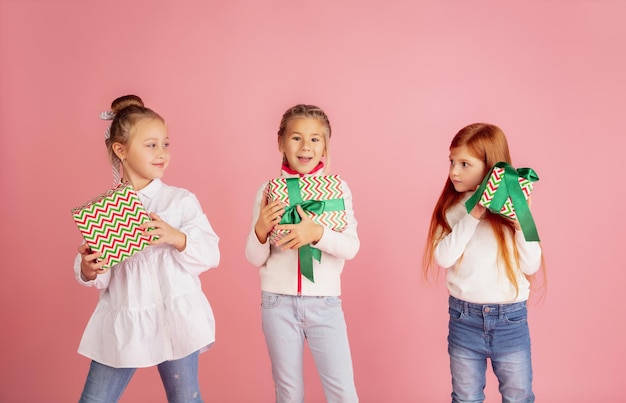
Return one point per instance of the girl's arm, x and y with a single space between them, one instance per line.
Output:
257 252
199 251
451 247
86 269
529 254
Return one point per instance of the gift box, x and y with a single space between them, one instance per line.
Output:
110 223
505 191
321 197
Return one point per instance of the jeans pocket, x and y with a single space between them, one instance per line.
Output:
516 317
332 301
270 300
455 314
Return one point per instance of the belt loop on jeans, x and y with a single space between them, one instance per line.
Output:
465 308
501 311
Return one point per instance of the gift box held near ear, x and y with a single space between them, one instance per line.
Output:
505 191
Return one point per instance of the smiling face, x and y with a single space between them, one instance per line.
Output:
466 171
146 156
303 144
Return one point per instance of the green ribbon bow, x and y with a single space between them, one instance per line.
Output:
510 187
306 253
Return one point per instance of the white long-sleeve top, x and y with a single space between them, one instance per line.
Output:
278 269
470 255
152 307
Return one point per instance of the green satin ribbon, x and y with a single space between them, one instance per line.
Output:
306 253
510 187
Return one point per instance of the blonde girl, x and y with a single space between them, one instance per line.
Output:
294 309
151 311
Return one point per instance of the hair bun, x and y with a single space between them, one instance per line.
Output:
124 101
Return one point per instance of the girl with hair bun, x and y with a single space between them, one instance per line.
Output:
152 310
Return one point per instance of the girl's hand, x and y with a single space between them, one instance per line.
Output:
478 211
90 263
163 233
304 233
269 216
515 223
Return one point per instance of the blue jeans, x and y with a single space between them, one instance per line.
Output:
180 379
495 331
290 320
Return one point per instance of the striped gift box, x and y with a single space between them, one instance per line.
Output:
493 183
110 223
505 191
320 187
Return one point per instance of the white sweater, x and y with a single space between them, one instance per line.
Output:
279 269
470 255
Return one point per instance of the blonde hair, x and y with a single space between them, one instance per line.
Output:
307 111
488 143
128 110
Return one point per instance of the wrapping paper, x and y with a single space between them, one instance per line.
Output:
321 197
505 191
110 223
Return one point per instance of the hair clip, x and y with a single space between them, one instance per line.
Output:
107 115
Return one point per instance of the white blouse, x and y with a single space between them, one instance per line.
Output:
152 307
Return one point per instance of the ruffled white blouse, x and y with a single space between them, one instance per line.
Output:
152 307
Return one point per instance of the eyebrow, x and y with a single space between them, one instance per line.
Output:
312 134
156 138
458 159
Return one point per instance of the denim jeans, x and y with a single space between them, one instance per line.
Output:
180 379
290 320
495 331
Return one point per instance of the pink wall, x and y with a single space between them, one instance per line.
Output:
398 79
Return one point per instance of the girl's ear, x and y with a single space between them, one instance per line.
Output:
119 150
280 144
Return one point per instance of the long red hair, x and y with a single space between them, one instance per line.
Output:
488 143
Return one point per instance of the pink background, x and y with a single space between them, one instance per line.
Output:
398 79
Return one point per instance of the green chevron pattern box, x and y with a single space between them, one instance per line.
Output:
110 223
505 191
320 196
